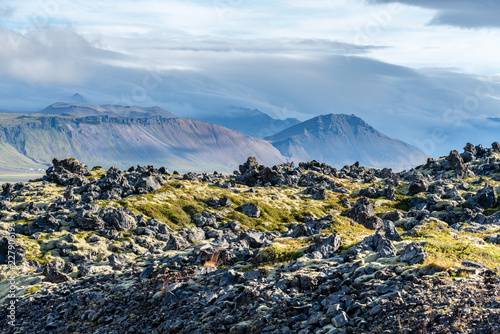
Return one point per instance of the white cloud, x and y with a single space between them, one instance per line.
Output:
137 27
44 54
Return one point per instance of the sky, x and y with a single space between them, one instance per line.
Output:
424 71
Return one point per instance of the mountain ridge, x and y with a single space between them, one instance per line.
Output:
121 142
61 108
119 135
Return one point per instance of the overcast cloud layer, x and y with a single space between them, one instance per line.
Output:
430 85
459 13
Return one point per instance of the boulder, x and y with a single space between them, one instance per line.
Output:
487 197
250 164
456 162
251 210
55 265
254 238
176 243
324 246
204 219
190 176
225 202
390 231
47 224
235 226
114 185
413 254
417 187
375 243
393 216
340 320
57 277
216 203
67 172
318 193
86 220
120 219
148 183
363 212
195 235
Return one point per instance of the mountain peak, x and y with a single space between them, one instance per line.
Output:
339 119
77 98
341 139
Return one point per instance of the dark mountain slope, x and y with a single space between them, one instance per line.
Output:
340 139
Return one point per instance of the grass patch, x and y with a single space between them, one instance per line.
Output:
279 206
350 232
283 251
96 173
447 249
492 211
403 204
177 213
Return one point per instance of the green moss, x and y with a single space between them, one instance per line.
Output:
243 219
350 232
32 289
492 211
40 257
403 204
447 249
88 235
23 222
177 213
284 251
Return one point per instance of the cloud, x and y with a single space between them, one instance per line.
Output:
458 13
275 45
49 53
6 12
44 54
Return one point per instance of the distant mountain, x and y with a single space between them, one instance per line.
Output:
62 108
339 140
252 122
77 98
178 143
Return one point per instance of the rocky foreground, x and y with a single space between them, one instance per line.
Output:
283 249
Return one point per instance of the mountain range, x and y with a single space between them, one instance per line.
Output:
109 135
252 122
122 142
